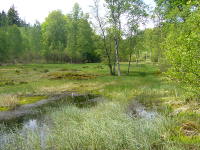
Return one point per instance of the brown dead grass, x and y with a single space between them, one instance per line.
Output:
71 86
7 100
180 106
190 129
70 75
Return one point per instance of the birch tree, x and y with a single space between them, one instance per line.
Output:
116 12
102 26
116 8
136 15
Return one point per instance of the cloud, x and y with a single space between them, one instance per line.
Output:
32 10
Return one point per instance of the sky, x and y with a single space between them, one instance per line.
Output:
32 10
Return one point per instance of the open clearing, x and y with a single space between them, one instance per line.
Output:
112 123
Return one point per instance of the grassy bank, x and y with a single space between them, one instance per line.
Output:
106 126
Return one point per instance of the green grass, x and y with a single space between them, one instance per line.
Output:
106 126
103 127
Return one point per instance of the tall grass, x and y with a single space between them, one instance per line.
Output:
104 127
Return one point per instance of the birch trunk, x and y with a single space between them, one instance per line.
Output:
129 63
117 56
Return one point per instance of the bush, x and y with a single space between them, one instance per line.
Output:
183 53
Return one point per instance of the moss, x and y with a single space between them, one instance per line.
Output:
17 71
23 101
72 70
8 82
1 83
45 70
71 75
187 133
34 69
4 108
29 100
187 139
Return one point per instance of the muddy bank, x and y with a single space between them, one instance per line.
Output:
80 100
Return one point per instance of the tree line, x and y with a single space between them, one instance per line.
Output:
71 38
173 43
60 38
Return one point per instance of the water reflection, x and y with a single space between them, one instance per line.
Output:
137 110
40 123
40 126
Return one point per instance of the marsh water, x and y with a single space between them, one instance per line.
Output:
138 110
22 127
38 120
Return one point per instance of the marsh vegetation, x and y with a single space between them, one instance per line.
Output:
113 123
101 81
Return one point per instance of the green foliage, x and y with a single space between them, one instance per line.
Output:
54 31
15 41
153 39
13 17
183 51
3 19
68 38
81 44
4 45
11 37
35 38
181 42
176 10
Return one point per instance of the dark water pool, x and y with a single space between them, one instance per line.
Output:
36 119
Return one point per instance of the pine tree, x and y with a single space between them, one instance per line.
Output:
13 17
3 19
